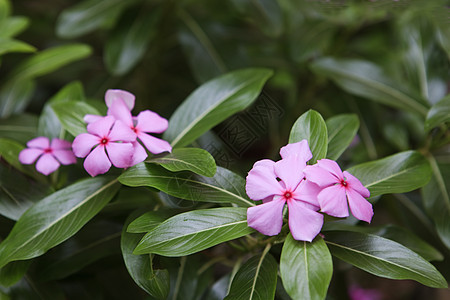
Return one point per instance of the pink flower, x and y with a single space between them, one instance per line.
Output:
50 155
110 97
107 141
278 183
338 188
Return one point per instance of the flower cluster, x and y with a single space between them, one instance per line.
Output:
308 191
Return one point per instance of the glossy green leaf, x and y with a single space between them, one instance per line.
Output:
306 268
12 26
150 220
341 132
15 96
213 102
368 80
20 128
194 231
10 45
155 282
56 218
398 173
256 279
224 187
13 272
438 114
71 114
312 127
383 257
195 160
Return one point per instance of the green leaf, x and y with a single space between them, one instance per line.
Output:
194 231
306 268
49 60
20 128
341 132
398 173
214 102
438 114
71 114
150 220
89 15
12 26
224 187
382 257
155 283
256 279
312 127
56 218
15 96
10 45
195 160
368 80
13 272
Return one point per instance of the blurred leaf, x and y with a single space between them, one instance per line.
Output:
20 128
150 220
89 15
382 257
9 45
396 133
13 272
196 160
213 102
398 173
438 114
256 279
341 132
71 114
5 9
30 288
219 289
194 231
185 279
12 26
15 96
368 80
224 187
312 127
56 218
306 268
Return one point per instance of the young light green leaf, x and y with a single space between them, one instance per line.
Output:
20 128
438 114
71 114
15 96
195 160
150 220
10 45
398 173
306 268
56 218
12 26
341 132
256 279
194 231
312 127
368 80
224 187
213 102
382 257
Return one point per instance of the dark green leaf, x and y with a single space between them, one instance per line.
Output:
312 127
194 231
13 272
20 128
150 220
383 257
438 114
15 96
71 114
306 268
213 102
56 218
10 45
341 132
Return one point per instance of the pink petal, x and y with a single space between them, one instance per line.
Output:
355 184
101 127
307 191
333 201
65 157
120 154
41 142
92 118
122 132
148 121
83 143
267 218
262 182
290 171
47 164
319 176
332 167
304 223
97 162
360 207
28 156
299 149
154 145
58 144
127 97
139 154
119 110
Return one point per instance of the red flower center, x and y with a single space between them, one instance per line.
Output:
287 195
344 183
134 129
104 141
48 150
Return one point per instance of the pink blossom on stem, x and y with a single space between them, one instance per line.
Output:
110 97
107 141
50 155
340 190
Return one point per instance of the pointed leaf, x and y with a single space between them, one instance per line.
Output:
71 114
11 45
150 220
341 132
12 26
438 114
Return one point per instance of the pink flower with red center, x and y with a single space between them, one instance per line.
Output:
281 182
107 141
50 155
340 190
